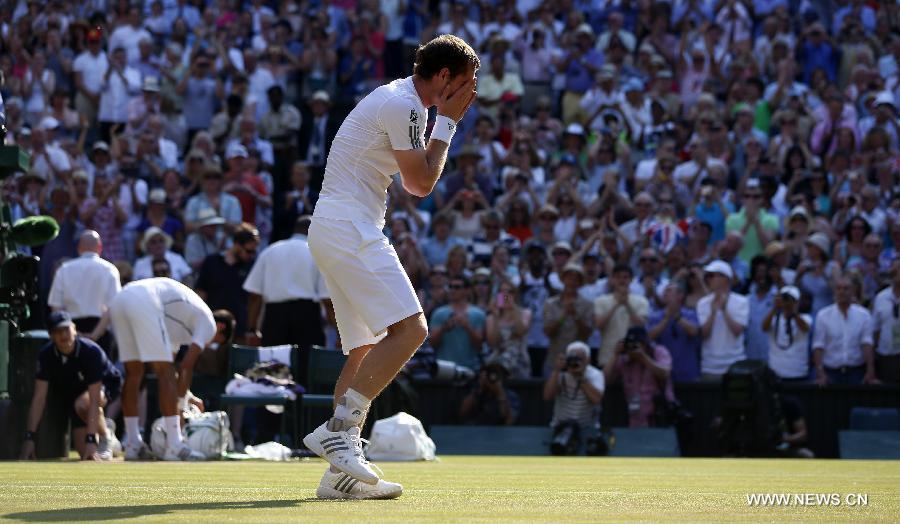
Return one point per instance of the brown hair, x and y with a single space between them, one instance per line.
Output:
447 51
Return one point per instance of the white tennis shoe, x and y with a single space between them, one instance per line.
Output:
343 486
182 453
343 450
138 451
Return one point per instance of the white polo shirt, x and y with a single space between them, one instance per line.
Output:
886 322
286 271
789 352
84 286
361 162
842 337
187 318
722 348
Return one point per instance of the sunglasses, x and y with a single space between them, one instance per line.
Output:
482 282
753 196
457 286
648 259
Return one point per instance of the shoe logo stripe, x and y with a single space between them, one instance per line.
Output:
329 439
342 483
344 448
350 485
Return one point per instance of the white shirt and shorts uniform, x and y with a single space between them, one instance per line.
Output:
369 288
152 318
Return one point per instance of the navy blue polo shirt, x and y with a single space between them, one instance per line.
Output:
73 373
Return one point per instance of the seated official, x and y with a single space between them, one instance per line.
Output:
644 369
84 379
490 403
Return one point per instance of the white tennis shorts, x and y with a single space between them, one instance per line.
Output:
139 326
368 286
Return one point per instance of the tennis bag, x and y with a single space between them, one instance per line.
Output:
207 433
400 437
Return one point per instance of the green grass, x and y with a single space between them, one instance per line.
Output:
461 489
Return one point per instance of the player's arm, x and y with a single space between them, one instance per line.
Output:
420 169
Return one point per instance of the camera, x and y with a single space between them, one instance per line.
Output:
493 376
448 371
573 362
566 439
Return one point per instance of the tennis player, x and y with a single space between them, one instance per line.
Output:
379 317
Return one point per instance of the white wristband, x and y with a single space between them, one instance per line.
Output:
443 129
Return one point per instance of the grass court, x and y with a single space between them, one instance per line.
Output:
452 489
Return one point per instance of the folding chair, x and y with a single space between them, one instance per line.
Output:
240 359
325 365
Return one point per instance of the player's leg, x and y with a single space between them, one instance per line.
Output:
176 448
336 484
389 355
358 262
121 315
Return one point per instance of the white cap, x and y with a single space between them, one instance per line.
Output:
578 347
575 129
721 267
885 97
791 291
236 150
48 123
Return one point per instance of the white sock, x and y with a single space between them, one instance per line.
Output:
132 431
350 411
173 432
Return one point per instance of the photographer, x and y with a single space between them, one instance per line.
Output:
576 388
788 332
644 370
490 403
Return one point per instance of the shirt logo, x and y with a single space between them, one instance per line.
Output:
413 116
451 126
414 139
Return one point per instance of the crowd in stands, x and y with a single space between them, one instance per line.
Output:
722 175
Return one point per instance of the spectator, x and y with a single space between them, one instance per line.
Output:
213 197
157 215
645 370
317 132
507 324
120 83
89 70
788 331
437 247
816 272
760 292
756 225
243 184
568 317
723 317
456 330
281 125
129 35
618 310
221 275
85 382
675 328
576 389
157 245
490 402
104 214
208 239
886 327
842 340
